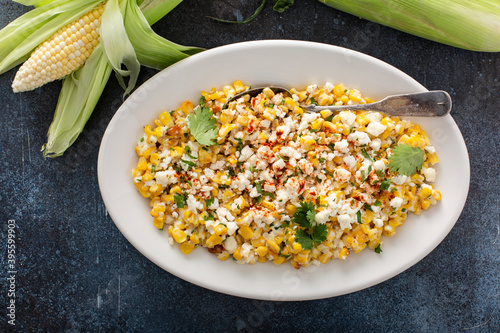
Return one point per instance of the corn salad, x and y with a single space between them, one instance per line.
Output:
238 197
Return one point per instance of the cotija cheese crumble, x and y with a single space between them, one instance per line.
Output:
270 182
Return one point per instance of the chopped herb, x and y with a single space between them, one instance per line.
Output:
363 176
329 118
313 101
257 200
368 207
239 147
209 217
317 179
283 101
314 130
188 162
204 148
286 256
187 149
142 140
186 135
253 169
269 194
153 168
378 249
269 105
223 186
210 201
231 172
176 168
258 185
321 159
384 185
331 146
190 184
366 155
377 203
180 200
203 101
358 215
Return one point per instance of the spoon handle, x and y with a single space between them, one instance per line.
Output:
436 103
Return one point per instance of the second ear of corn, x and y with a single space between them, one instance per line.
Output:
64 52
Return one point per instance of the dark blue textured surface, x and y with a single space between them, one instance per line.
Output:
76 272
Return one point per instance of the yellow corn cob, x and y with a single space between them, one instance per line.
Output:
64 52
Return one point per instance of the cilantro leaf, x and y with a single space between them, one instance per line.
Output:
406 160
378 249
311 215
180 200
202 125
303 237
302 215
319 233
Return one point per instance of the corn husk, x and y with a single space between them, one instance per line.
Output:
127 23
468 24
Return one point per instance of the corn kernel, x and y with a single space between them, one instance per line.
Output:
237 254
187 247
246 232
220 229
272 245
213 240
179 235
262 251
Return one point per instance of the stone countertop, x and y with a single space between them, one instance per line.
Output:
76 272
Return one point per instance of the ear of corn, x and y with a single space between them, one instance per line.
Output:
79 95
23 35
60 55
468 24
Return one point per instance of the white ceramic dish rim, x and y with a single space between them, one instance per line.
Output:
130 211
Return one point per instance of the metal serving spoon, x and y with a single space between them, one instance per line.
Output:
435 103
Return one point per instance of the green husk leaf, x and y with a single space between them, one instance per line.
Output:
151 49
23 35
281 5
36 3
79 95
154 10
472 25
116 44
